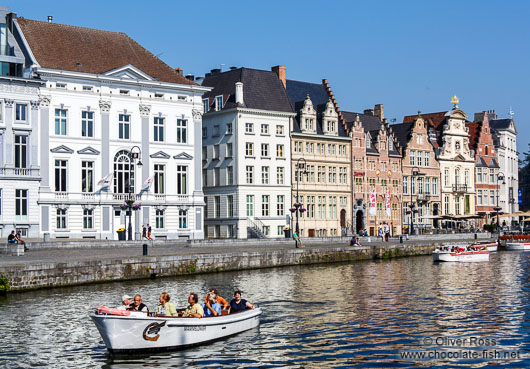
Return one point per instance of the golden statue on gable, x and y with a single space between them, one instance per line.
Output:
454 100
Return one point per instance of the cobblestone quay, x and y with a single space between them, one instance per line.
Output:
70 263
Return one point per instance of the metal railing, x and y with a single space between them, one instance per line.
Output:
460 188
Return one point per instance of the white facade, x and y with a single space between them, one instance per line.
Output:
19 166
255 144
457 166
509 164
91 124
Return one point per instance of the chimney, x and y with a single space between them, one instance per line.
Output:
369 112
215 71
179 71
379 111
233 68
191 77
478 117
281 72
50 18
239 93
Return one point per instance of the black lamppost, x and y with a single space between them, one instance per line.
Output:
132 157
300 169
500 177
415 172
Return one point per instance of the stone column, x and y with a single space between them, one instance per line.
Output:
145 110
197 171
9 118
104 106
34 141
44 146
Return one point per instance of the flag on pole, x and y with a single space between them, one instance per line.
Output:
147 184
373 201
105 181
388 203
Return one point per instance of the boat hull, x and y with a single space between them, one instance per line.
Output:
518 246
136 334
463 257
491 246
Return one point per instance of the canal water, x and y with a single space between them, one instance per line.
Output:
363 314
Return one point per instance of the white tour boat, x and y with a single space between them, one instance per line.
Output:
491 246
518 246
137 332
470 254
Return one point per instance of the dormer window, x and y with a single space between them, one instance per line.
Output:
218 102
367 142
390 145
88 88
60 85
159 95
124 92
206 105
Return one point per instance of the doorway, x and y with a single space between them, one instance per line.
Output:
359 221
343 218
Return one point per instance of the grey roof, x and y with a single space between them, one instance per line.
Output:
493 163
402 132
499 124
262 89
298 91
481 163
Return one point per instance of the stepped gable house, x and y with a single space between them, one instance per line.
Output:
107 106
320 160
376 162
450 138
486 168
421 175
246 156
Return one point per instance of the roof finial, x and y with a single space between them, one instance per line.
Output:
511 113
419 113
455 101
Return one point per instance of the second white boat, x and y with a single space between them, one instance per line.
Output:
518 246
466 256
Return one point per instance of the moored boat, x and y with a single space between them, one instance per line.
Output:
138 332
491 246
469 254
518 246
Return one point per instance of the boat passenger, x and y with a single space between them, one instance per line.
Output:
211 307
238 304
194 310
224 304
165 308
126 301
138 305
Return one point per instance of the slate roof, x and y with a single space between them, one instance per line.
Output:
481 163
499 124
433 119
262 89
402 132
87 50
298 91
493 163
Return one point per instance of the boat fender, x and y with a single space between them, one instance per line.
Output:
110 311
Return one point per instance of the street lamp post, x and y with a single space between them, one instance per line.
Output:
132 157
300 165
500 177
415 172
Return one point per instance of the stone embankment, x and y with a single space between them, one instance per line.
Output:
72 263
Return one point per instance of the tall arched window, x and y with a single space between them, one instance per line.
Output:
457 175
121 172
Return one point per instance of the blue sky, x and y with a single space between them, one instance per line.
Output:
407 55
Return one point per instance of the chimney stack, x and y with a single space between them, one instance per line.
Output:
191 77
368 111
50 18
179 71
281 72
239 93
379 111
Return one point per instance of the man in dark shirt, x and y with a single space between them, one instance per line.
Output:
238 304
138 305
11 238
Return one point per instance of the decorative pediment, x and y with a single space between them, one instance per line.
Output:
129 72
183 156
88 151
160 155
62 150
459 157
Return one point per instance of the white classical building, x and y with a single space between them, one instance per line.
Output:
116 124
246 154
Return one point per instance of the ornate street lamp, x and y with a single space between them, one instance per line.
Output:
412 211
297 207
130 202
500 177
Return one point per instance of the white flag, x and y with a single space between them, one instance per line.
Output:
105 181
373 202
147 184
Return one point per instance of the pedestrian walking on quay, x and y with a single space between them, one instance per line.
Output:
144 233
149 232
